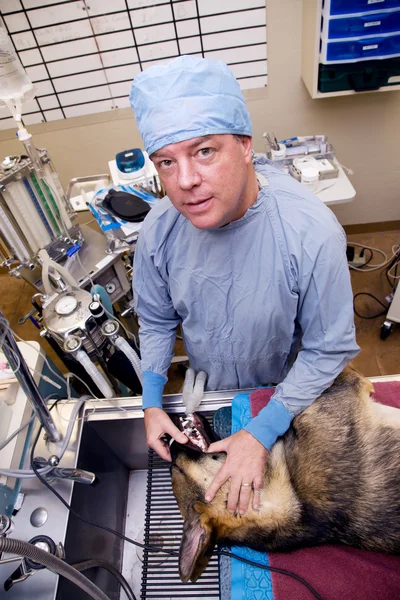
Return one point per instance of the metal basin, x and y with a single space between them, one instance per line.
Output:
109 441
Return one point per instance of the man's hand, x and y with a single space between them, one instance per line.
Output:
157 423
244 466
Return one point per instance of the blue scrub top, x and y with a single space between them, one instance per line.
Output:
246 294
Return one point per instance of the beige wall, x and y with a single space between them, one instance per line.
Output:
365 129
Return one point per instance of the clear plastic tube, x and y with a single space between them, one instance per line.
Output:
95 374
32 152
129 352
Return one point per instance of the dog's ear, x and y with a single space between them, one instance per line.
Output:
197 544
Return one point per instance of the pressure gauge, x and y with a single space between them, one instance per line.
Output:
66 305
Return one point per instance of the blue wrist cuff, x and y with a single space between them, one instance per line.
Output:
153 387
271 422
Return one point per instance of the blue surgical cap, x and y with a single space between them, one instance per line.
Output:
187 98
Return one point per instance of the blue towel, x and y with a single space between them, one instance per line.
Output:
247 582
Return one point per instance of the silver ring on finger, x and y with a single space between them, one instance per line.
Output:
246 485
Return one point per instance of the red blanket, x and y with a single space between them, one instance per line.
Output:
336 572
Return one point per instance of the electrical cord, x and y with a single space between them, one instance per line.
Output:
390 272
16 432
273 570
383 312
394 263
395 254
102 564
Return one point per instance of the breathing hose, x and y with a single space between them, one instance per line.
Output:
53 563
95 374
131 355
102 564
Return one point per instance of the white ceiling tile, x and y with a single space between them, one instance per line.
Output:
155 51
80 81
88 109
48 102
86 95
110 23
30 57
23 40
119 57
57 13
53 115
253 82
151 16
63 33
17 22
69 49
127 72
113 41
74 65
32 119
7 6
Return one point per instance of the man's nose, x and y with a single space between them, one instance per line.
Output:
188 175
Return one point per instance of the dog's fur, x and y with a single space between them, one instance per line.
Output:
334 477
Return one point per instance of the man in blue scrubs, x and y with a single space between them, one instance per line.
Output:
247 259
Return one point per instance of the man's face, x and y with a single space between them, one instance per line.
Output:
207 178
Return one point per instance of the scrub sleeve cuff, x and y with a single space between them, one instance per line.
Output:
273 421
153 387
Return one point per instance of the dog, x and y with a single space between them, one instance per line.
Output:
334 477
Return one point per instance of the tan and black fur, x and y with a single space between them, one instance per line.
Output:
334 477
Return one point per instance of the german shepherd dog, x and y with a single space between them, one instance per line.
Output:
334 477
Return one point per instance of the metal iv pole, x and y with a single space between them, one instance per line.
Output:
28 384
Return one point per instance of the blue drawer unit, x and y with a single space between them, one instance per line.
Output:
371 24
360 49
348 7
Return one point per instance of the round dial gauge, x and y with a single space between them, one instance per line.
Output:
66 305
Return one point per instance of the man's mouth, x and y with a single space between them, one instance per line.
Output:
198 206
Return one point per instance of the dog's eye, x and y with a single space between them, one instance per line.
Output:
215 456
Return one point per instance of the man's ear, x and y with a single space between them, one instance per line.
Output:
197 544
247 145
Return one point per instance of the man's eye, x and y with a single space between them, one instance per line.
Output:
206 151
165 163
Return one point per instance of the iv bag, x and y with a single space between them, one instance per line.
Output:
15 86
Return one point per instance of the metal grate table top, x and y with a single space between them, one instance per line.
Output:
163 528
